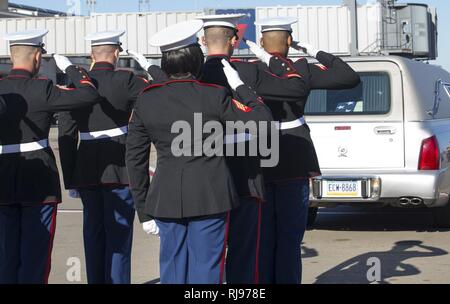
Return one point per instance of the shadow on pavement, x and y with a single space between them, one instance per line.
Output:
308 253
155 281
375 219
392 264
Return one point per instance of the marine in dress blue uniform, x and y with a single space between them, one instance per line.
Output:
96 165
244 226
284 216
29 181
242 263
190 196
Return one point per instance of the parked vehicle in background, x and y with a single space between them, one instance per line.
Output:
385 142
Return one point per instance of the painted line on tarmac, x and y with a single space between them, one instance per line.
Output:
368 213
70 211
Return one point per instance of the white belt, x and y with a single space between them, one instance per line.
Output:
291 124
104 134
237 138
22 148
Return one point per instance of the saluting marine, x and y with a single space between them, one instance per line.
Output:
29 180
284 216
191 192
96 166
221 35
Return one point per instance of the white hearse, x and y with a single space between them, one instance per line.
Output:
386 142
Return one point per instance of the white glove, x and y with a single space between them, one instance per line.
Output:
143 62
234 80
306 47
74 194
62 62
150 227
259 52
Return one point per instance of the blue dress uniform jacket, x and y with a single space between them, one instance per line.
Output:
99 162
32 177
246 171
298 158
185 186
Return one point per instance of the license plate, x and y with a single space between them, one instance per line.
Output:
341 189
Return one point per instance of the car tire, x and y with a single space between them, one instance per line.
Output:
312 216
441 216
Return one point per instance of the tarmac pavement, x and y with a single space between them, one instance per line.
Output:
347 245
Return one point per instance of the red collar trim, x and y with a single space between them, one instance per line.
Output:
158 85
103 66
219 55
278 54
20 69
20 73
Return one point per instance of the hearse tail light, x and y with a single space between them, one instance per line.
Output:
429 154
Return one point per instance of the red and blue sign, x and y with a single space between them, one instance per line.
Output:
247 28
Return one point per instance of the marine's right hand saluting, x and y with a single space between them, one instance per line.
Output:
259 52
62 62
305 47
156 74
234 80
143 62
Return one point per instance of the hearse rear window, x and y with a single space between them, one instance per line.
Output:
372 96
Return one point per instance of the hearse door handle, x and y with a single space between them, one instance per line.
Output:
385 130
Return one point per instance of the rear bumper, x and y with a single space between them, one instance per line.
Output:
433 187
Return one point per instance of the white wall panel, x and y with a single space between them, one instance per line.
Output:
67 34
326 27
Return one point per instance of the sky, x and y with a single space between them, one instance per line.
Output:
104 6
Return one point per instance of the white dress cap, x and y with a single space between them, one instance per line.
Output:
30 37
177 36
226 20
105 38
276 24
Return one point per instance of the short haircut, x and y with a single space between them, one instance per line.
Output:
219 35
180 63
103 52
275 39
23 53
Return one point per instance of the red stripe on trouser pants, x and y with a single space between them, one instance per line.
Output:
50 245
224 252
258 242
